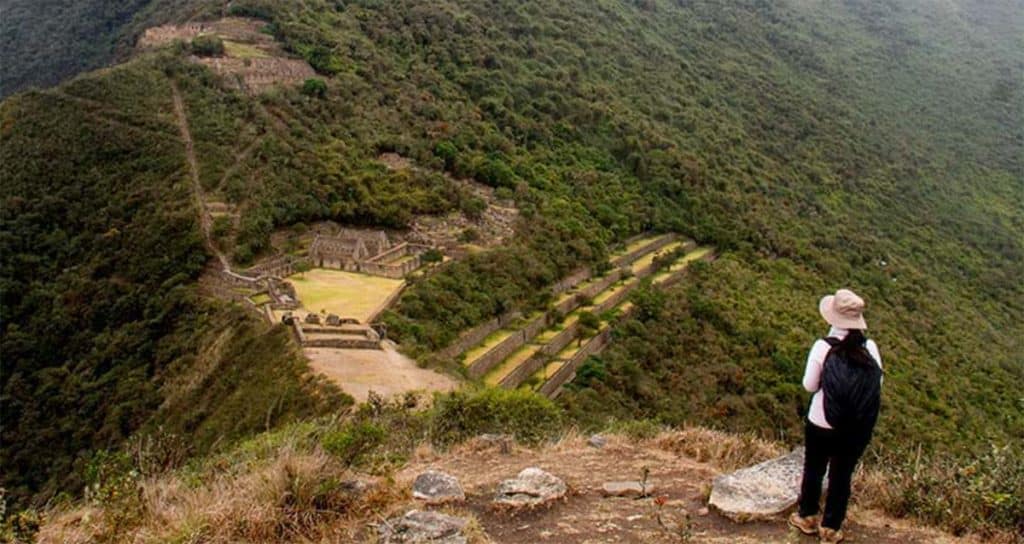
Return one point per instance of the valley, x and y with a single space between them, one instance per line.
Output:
375 232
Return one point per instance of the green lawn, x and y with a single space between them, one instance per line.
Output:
347 294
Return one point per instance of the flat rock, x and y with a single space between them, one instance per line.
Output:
532 487
632 489
597 441
436 487
760 491
423 527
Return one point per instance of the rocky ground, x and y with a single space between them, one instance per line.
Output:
675 509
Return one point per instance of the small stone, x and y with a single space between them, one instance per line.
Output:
313 319
436 487
597 441
632 490
423 527
502 441
532 487
333 320
703 511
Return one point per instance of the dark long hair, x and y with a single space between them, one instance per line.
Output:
854 345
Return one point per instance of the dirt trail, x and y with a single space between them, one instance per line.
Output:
205 221
586 517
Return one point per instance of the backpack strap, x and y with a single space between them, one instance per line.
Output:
831 341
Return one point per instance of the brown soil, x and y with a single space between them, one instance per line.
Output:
386 372
586 517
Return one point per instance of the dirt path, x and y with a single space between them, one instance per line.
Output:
386 372
205 221
586 517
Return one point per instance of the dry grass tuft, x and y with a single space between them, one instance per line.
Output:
725 451
291 497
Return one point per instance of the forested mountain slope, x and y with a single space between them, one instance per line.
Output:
43 42
874 144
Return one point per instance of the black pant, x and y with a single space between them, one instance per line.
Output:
839 453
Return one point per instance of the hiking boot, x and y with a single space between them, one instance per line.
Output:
830 536
807 525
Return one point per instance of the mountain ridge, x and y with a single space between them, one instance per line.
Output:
813 147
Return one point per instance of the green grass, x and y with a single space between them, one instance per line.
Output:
511 363
646 260
240 50
493 340
260 299
346 294
638 244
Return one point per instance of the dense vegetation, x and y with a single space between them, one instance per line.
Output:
103 329
45 42
869 143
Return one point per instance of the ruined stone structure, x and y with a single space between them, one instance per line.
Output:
256 75
166 34
370 253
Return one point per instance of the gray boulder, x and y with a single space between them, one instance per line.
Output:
423 527
760 491
435 487
532 487
313 319
333 320
597 441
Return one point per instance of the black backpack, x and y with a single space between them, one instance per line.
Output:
853 391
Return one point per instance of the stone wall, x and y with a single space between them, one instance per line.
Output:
386 304
570 281
600 285
553 386
474 336
640 251
342 342
483 364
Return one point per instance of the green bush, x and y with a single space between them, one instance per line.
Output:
447 152
207 46
353 443
528 417
314 87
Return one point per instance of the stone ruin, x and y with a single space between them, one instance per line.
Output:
263 65
367 252
166 34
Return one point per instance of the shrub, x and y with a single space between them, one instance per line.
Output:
314 87
353 443
473 207
528 417
447 152
432 256
208 46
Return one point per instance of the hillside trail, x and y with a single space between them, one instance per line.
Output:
586 517
205 220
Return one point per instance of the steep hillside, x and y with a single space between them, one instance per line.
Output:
104 331
326 481
45 42
869 143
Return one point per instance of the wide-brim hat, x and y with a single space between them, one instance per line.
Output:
844 310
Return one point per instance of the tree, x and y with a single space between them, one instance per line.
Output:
589 323
303 266
314 87
207 46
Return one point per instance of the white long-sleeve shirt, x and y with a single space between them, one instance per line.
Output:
812 374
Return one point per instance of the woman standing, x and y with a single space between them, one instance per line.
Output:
844 371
